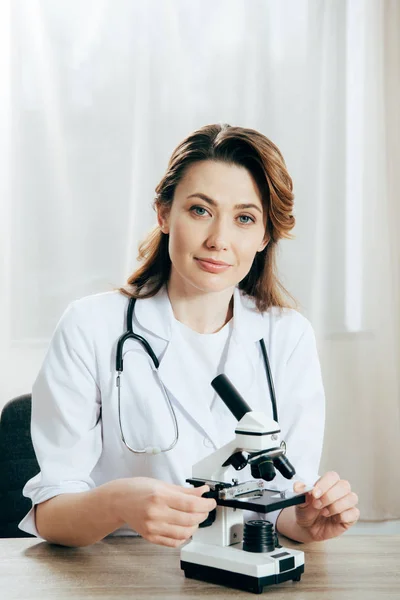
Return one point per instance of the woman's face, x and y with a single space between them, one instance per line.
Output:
216 225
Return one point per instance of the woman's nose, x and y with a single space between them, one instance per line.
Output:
218 237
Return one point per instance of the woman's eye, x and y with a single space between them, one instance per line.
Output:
245 219
199 210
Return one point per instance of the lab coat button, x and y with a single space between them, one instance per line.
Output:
208 443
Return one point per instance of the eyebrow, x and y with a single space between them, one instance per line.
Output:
213 203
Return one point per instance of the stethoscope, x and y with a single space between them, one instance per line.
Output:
119 365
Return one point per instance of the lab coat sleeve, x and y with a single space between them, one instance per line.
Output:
65 427
302 411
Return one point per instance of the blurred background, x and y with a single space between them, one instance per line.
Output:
94 97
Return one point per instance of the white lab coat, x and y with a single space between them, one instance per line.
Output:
75 427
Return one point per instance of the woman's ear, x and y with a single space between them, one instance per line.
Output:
264 244
163 217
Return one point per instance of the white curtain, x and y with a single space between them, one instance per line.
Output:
95 96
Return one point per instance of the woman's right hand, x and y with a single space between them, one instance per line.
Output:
162 513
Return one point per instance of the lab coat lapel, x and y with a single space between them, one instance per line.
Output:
240 368
243 351
156 316
180 384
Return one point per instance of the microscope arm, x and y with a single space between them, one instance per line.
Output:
255 432
211 467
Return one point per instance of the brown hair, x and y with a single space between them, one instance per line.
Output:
238 146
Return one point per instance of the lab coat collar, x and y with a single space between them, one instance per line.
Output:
247 320
155 315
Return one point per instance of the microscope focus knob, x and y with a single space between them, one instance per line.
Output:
258 536
211 515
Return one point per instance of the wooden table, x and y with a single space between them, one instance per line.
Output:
347 568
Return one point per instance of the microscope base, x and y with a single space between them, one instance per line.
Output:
233 567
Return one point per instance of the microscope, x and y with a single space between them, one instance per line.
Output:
224 549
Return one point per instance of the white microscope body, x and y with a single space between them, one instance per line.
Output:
227 551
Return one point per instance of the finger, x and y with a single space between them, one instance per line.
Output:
298 486
306 514
174 532
165 541
348 517
191 504
197 491
185 519
341 505
325 483
340 490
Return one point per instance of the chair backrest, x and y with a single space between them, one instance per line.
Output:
17 464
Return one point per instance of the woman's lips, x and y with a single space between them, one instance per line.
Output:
211 267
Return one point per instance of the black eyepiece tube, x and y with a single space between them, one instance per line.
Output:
229 394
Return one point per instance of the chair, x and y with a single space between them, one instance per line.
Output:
17 464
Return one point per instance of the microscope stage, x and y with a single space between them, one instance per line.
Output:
264 500
267 501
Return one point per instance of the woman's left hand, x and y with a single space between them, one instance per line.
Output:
330 508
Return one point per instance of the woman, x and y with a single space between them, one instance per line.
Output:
206 294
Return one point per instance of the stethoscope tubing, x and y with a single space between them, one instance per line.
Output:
119 365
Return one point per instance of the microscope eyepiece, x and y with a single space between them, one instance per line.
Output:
229 394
